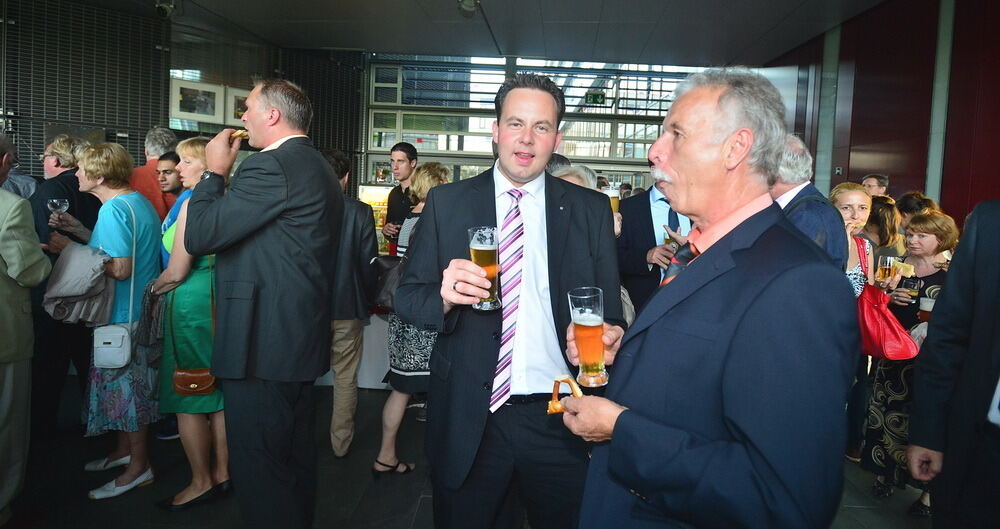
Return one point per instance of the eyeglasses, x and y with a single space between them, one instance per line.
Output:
43 156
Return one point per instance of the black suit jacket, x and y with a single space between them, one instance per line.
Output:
821 222
959 363
355 277
581 251
274 233
736 384
637 237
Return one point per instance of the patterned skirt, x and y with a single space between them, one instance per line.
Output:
122 399
888 425
409 356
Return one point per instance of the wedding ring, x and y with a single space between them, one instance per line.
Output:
454 286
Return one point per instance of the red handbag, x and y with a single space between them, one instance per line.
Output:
882 336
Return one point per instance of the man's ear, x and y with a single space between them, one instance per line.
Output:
737 148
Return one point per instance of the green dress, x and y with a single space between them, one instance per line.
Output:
187 334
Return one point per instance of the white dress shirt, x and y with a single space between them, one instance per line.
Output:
787 196
537 359
279 142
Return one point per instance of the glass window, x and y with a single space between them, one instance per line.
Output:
627 149
385 94
384 120
586 129
386 75
586 149
383 139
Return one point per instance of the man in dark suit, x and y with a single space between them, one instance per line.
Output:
354 285
951 440
274 233
726 405
804 205
642 254
491 372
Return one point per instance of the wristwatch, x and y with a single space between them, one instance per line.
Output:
208 174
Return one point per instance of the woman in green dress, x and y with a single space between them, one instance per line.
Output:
188 333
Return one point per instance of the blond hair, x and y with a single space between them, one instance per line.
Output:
109 161
66 148
846 187
426 176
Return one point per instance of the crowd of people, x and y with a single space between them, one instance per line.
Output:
730 320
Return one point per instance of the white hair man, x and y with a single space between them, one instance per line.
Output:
699 426
145 180
804 205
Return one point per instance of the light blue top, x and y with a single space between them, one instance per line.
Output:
113 235
660 211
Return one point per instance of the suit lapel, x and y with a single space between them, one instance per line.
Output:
557 215
646 220
483 201
713 263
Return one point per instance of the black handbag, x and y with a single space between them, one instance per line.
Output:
390 270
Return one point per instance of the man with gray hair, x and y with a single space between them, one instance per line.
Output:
804 205
145 180
18 182
726 404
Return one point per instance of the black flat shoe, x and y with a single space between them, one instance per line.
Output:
224 488
919 510
399 468
169 505
881 489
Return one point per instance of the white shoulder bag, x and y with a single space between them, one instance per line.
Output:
113 342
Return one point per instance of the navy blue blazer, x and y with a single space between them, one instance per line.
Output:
736 376
636 238
821 222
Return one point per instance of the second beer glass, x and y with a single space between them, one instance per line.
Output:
586 309
483 252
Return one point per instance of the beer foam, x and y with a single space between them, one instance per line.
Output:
482 247
586 318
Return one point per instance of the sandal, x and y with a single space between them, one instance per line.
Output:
393 469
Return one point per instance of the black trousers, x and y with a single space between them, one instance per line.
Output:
857 404
270 429
526 453
56 345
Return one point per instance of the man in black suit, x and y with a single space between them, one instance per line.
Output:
642 254
274 233
491 372
726 406
354 284
951 440
804 205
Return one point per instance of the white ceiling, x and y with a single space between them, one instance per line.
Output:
677 32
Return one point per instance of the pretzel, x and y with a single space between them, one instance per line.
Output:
555 405
239 134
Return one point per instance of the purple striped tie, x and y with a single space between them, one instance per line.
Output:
510 253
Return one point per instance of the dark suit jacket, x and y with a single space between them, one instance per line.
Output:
355 277
736 385
637 237
580 236
821 222
274 233
959 363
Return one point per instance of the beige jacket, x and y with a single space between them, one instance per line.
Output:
22 266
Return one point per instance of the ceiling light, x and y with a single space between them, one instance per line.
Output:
467 7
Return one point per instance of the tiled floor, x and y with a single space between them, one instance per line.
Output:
349 498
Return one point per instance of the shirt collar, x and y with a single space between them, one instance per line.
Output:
278 143
501 185
702 240
655 195
787 196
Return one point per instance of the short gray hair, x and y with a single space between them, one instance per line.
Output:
289 99
159 140
749 101
584 173
796 162
7 147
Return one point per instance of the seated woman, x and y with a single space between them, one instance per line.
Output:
928 235
188 335
409 347
121 400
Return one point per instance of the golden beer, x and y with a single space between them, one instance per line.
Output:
486 258
615 202
883 273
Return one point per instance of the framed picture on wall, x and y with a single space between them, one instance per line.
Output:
197 101
236 105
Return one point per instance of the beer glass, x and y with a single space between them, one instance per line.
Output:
884 271
483 252
614 195
912 286
586 309
925 308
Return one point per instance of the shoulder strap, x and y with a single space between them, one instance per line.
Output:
131 286
862 255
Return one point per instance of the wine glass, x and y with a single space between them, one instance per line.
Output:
57 205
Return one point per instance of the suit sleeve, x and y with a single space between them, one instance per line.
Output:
256 196
368 252
26 264
824 226
631 248
40 211
784 388
607 269
947 344
418 297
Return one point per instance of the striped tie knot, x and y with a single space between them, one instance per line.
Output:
516 193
